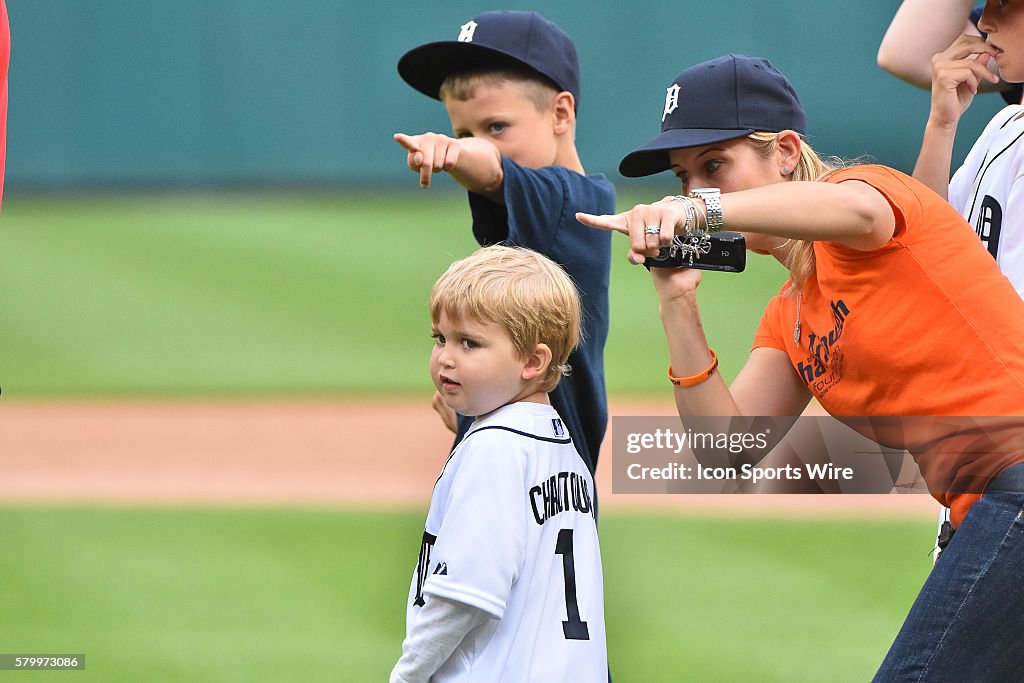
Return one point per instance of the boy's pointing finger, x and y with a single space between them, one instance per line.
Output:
407 142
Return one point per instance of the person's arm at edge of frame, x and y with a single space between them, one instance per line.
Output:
473 163
920 30
957 73
440 626
5 62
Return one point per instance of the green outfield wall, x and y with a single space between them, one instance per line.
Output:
222 92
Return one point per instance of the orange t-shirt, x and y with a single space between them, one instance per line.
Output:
923 326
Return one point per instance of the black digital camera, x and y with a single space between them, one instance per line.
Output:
727 253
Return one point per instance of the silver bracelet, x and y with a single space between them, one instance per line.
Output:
712 197
695 241
691 213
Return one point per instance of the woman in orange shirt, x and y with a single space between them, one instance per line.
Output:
893 308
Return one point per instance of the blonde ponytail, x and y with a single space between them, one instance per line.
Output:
798 255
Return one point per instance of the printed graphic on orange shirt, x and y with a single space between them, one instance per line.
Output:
823 368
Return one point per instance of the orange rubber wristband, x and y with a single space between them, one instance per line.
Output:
694 380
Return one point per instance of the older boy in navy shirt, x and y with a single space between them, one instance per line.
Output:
510 84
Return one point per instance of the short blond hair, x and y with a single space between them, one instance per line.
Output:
524 292
536 88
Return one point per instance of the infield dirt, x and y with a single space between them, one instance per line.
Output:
308 453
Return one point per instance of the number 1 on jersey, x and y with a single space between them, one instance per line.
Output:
575 628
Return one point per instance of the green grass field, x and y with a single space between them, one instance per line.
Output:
277 294
242 295
277 595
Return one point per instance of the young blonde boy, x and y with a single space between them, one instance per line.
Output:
508 586
510 84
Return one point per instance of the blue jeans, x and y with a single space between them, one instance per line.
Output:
967 623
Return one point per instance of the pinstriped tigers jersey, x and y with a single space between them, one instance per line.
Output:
988 190
511 531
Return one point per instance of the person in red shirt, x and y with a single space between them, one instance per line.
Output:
893 309
5 59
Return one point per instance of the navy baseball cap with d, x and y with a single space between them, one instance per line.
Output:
498 39
715 101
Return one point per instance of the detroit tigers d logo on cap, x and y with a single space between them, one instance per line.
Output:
496 40
738 95
671 100
466 34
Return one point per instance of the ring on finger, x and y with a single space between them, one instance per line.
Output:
652 230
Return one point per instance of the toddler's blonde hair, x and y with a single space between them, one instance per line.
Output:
525 292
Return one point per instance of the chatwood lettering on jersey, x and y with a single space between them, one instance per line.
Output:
562 492
823 368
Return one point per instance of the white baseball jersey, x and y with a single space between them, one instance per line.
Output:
511 531
988 190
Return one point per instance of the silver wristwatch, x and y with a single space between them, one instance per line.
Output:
712 197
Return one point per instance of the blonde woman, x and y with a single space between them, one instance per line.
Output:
892 308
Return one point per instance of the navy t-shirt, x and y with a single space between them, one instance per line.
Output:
540 214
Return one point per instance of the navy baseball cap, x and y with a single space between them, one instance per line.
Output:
722 99
503 38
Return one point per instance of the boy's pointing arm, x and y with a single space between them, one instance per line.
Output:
473 163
